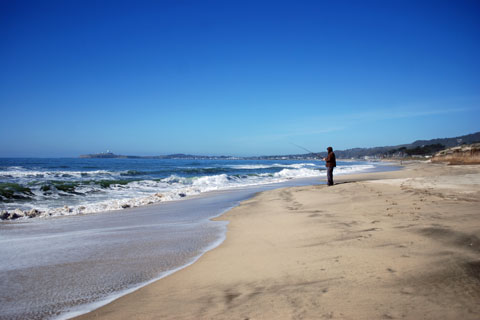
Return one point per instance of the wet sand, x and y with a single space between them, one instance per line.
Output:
389 245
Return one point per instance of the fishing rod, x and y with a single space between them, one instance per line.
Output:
296 145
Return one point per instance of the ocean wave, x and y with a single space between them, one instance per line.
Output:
10 191
180 170
353 169
22 173
203 171
91 195
268 166
133 173
298 173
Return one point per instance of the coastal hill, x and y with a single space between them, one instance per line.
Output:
416 148
419 147
464 154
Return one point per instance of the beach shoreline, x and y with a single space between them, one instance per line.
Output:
130 248
77 187
395 244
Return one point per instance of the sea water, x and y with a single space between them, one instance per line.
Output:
79 186
70 261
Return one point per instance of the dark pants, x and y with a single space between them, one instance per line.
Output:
330 176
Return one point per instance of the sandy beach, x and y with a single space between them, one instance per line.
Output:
388 245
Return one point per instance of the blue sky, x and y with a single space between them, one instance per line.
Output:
234 77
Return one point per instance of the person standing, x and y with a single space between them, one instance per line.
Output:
330 163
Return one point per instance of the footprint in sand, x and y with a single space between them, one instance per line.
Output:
392 315
407 290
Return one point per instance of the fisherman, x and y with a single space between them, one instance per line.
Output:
330 163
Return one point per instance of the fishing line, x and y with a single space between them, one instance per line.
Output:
296 145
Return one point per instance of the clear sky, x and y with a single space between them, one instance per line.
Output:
234 77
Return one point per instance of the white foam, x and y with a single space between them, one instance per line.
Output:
144 192
267 166
353 169
298 173
82 309
18 172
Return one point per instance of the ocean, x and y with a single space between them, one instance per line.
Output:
79 186
110 226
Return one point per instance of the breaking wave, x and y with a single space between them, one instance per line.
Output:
64 192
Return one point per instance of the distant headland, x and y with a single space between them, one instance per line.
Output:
419 148
110 155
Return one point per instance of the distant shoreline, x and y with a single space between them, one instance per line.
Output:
180 156
416 149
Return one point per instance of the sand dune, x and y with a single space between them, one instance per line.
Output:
390 245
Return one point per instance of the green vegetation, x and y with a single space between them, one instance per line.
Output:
425 150
418 151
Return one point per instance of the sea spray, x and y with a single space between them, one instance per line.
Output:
56 187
